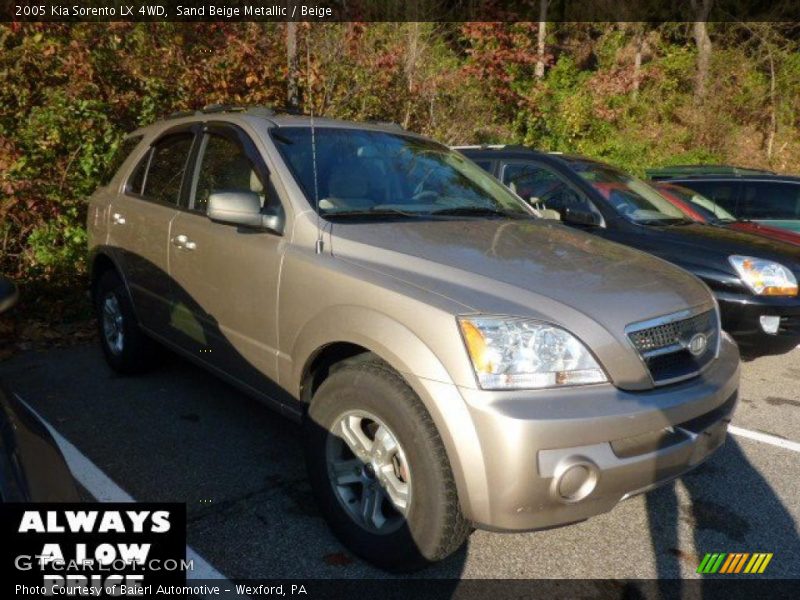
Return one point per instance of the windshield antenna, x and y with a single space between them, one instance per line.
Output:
319 243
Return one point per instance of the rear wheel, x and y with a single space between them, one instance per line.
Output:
126 348
379 469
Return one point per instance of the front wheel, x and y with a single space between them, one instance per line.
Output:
379 469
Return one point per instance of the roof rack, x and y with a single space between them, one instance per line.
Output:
385 123
703 170
262 111
491 147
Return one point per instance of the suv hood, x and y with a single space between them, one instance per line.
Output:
709 245
524 267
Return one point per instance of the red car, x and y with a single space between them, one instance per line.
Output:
701 209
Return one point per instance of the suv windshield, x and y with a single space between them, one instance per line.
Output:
631 197
376 173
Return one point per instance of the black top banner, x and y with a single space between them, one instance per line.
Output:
401 10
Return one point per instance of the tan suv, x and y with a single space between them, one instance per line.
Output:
455 360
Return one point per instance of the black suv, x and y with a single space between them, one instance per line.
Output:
747 194
754 279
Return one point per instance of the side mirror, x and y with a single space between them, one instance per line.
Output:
8 294
243 209
580 217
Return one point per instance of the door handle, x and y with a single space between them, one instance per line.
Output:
118 219
181 241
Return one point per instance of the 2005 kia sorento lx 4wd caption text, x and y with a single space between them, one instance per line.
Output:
455 360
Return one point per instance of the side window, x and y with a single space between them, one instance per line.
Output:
167 166
136 180
771 200
122 152
721 192
486 165
545 189
225 166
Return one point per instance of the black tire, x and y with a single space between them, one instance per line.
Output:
433 527
137 351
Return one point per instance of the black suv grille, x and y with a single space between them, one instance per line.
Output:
666 347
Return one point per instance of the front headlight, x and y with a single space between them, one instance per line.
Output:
516 353
765 277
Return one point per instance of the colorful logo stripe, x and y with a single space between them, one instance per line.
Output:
728 563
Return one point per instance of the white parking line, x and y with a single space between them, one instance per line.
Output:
764 437
100 485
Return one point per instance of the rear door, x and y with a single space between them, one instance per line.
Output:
772 202
140 219
225 278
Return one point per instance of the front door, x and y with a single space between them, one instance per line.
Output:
225 278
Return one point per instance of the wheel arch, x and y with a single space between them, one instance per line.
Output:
337 336
101 261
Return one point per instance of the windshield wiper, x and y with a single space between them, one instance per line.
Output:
476 211
373 212
668 222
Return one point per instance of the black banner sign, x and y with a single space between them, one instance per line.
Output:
92 549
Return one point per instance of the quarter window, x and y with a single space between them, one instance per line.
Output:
136 180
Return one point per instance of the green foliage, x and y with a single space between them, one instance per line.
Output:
57 245
69 93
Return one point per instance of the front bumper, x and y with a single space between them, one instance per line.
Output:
740 318
553 457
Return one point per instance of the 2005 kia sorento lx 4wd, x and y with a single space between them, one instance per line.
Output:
456 361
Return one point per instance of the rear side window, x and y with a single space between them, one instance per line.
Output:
164 176
720 192
122 152
771 200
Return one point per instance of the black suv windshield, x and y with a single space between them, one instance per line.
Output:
363 173
629 196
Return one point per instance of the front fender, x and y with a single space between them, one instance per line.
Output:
393 342
405 352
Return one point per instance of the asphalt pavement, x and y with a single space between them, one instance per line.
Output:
180 434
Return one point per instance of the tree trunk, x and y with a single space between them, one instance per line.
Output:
410 68
773 120
292 92
700 29
542 38
637 65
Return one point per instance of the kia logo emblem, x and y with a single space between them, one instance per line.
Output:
698 343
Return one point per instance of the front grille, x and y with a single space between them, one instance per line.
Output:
653 441
789 324
665 345
673 333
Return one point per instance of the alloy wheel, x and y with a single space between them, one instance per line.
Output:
369 472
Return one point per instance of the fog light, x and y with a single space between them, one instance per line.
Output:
770 324
575 479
